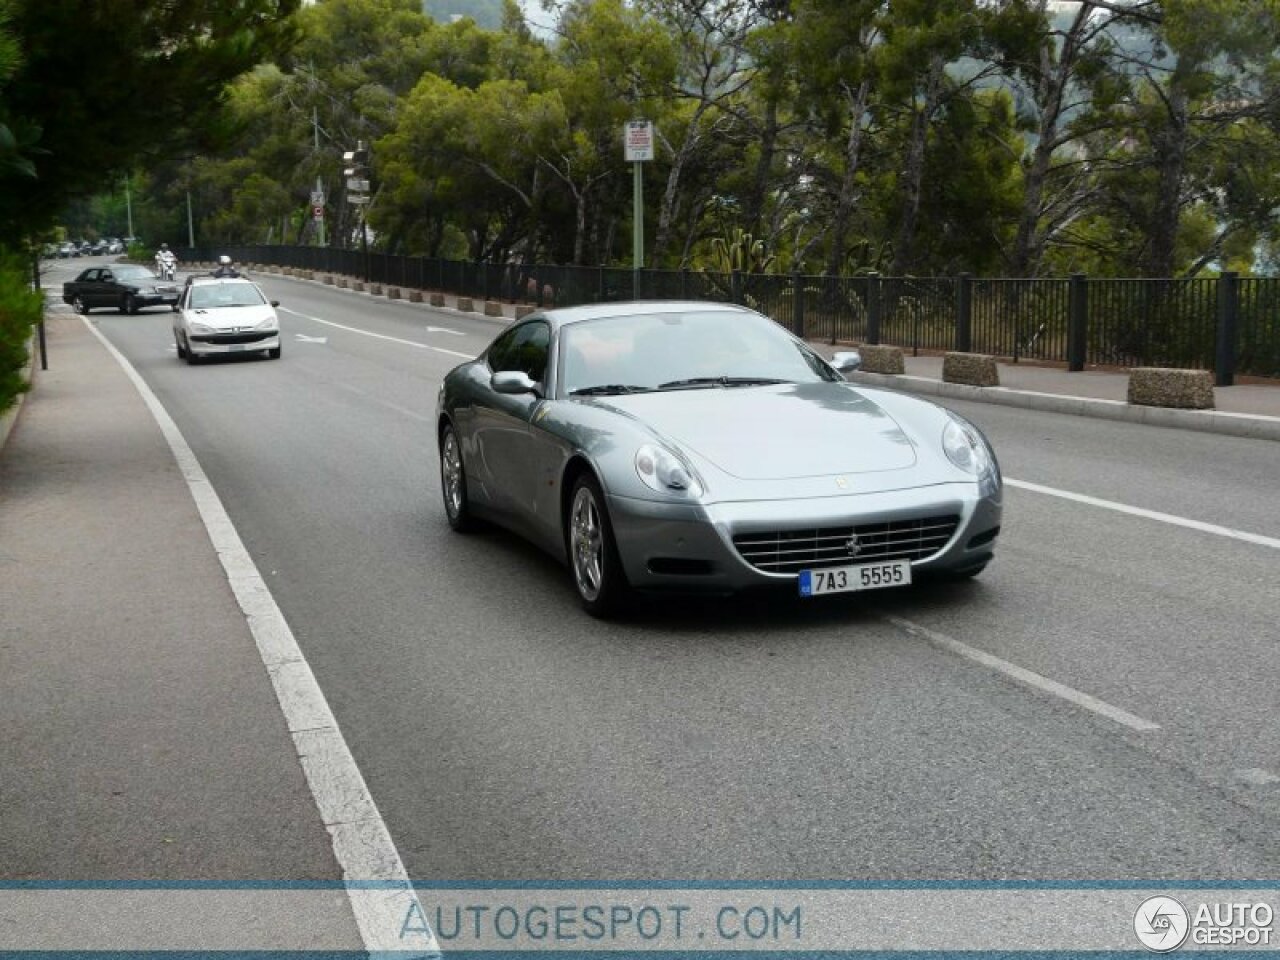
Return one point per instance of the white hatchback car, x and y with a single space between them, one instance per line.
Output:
224 315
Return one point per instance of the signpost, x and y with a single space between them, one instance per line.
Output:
638 145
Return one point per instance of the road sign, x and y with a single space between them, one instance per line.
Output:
317 211
317 197
358 197
358 186
638 139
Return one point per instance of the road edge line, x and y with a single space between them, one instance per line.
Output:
361 841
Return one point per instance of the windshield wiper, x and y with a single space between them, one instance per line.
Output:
604 389
695 382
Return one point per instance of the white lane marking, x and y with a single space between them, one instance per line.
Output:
456 333
362 844
1254 538
380 336
1023 675
303 338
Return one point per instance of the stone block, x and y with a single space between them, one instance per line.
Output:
1169 387
975 369
877 358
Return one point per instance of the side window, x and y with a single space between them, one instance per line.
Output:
529 351
497 352
92 275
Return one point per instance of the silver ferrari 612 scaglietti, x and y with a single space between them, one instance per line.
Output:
700 446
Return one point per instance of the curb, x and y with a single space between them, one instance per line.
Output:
1252 426
10 417
503 320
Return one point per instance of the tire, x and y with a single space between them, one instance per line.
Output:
79 306
128 304
192 359
453 482
593 554
182 351
274 353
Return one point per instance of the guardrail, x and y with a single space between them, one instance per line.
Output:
1227 324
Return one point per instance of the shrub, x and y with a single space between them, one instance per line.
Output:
20 310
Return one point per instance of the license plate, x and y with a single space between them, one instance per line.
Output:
235 347
857 576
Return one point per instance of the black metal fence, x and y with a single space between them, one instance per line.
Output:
1230 325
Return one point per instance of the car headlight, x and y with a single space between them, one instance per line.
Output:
202 328
268 324
664 472
968 450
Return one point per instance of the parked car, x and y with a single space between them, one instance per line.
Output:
223 316
696 446
126 287
67 250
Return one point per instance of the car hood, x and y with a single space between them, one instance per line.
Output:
777 432
231 318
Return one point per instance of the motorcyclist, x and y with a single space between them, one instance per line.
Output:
226 268
166 262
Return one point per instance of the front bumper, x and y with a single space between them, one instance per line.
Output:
689 547
166 297
210 344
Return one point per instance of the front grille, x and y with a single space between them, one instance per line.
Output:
233 337
790 551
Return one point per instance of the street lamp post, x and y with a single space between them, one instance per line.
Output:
356 172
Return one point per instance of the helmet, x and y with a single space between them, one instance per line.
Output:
224 260
164 246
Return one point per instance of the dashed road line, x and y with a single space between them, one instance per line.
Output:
378 336
1023 675
1254 538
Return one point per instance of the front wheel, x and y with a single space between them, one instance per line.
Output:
79 306
453 482
273 353
593 554
128 304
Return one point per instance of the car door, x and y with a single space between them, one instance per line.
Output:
501 427
107 289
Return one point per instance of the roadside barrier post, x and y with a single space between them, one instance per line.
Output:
1077 322
964 313
797 286
1228 312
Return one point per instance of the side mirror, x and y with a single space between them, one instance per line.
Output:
275 303
512 382
847 361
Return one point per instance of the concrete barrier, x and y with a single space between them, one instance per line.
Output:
357 286
523 310
375 289
327 278
881 359
393 293
464 303
344 283
492 309
975 369
437 299
415 296
1168 387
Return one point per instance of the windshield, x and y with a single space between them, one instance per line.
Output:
215 295
703 349
133 273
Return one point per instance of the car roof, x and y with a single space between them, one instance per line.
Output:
560 316
203 280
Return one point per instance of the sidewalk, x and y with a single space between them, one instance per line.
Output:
142 737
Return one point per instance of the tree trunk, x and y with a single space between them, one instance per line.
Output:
667 208
913 172
764 165
844 204
1170 148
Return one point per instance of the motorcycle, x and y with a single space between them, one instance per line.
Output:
165 267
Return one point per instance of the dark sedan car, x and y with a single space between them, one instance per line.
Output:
124 287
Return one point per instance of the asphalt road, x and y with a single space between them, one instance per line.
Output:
505 735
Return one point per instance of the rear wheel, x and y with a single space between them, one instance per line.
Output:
453 482
593 554
78 305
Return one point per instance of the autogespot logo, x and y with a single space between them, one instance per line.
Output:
1161 924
